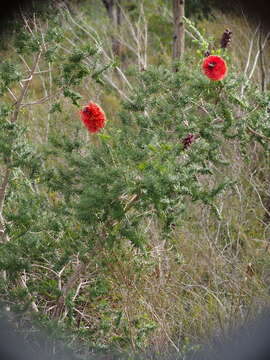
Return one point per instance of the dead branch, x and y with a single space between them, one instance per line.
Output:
261 60
71 282
257 134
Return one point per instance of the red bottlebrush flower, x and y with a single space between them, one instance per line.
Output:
214 67
93 117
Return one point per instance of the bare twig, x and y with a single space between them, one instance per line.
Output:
250 49
257 134
261 48
12 94
257 56
46 268
42 100
25 88
25 63
3 189
72 280
22 283
161 323
262 65
97 42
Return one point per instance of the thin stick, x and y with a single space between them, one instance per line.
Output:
257 134
24 89
42 100
262 67
257 56
12 95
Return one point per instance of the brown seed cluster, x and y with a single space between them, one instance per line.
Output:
188 140
226 39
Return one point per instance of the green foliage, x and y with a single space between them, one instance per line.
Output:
36 220
143 168
25 42
8 75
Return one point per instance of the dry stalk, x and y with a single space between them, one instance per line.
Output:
257 134
72 280
161 323
259 53
95 38
22 283
262 65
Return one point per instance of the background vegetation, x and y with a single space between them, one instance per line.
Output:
127 239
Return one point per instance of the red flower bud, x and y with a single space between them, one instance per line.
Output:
214 67
93 117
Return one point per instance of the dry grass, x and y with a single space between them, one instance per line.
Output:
211 276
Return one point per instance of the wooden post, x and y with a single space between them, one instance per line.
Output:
179 30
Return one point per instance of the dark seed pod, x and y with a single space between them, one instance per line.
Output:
188 140
226 39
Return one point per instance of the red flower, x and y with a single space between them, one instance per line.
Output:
214 67
93 117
